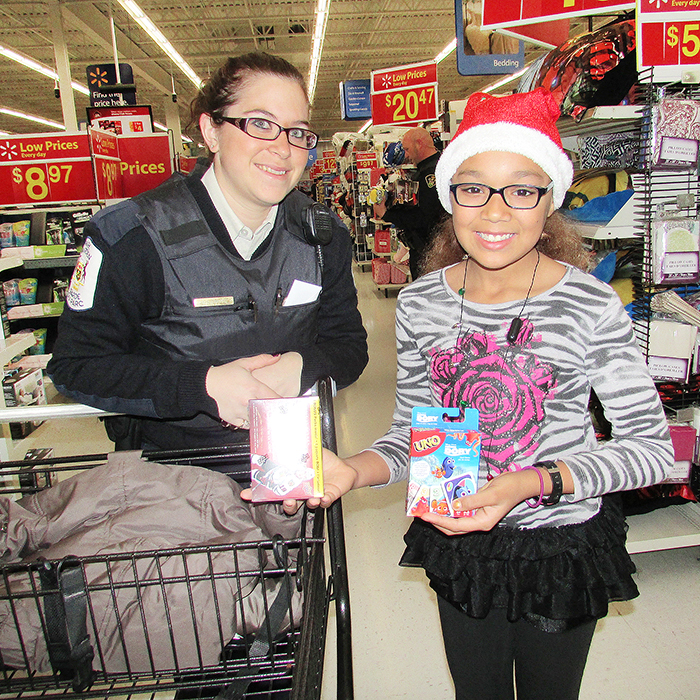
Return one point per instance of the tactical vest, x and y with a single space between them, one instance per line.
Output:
219 307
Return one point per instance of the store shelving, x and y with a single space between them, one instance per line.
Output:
45 310
10 263
677 525
13 346
671 527
68 261
600 120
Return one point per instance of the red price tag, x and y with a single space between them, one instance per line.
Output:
366 160
46 183
109 178
414 104
670 43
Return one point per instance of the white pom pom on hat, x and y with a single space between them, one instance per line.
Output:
523 123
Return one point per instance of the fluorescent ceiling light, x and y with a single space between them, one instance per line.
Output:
39 67
143 20
31 117
446 51
321 20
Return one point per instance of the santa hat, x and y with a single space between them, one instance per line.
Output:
523 123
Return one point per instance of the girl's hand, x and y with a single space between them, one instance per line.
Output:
490 504
338 478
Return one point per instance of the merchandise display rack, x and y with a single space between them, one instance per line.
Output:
675 525
30 315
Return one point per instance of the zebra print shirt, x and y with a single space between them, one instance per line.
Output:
533 395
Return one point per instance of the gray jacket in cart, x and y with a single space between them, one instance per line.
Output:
163 295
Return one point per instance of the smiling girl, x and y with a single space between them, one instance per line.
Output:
503 322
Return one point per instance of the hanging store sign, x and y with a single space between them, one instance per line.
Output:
505 14
106 90
105 153
483 52
331 161
355 100
146 162
59 168
668 38
313 157
136 119
405 95
45 169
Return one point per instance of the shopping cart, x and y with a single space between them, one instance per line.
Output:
281 659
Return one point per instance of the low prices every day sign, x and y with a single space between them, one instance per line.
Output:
45 169
668 36
405 95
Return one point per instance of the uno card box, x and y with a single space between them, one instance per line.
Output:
444 459
285 448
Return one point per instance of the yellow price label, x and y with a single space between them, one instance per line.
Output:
407 105
688 34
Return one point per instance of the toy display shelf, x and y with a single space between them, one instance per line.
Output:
600 120
36 263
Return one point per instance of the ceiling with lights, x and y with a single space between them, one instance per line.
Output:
360 36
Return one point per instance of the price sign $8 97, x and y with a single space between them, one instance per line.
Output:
39 179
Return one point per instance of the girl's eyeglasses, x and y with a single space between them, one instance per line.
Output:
266 130
472 194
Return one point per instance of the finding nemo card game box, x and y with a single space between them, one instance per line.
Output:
444 459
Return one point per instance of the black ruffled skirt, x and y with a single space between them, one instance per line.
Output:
554 577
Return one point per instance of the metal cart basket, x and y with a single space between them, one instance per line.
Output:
282 658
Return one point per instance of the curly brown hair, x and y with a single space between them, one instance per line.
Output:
561 240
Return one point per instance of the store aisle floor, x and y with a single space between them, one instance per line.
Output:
645 649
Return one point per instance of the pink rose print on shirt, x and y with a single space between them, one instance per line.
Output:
507 385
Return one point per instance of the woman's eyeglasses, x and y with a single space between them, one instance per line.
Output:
266 130
472 194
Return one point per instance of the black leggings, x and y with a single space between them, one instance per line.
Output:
481 654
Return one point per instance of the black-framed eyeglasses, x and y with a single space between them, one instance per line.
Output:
267 130
473 194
